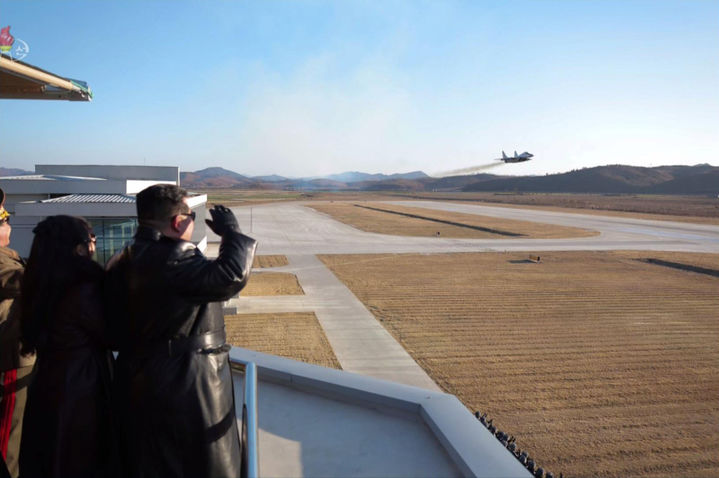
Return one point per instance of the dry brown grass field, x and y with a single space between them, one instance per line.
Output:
267 261
371 220
250 197
695 209
598 363
298 336
241 197
272 283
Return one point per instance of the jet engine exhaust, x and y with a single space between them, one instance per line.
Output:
470 170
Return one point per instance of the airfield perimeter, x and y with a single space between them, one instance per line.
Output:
602 439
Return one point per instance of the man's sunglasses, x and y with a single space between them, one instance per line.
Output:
191 214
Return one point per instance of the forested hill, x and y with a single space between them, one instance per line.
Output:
699 179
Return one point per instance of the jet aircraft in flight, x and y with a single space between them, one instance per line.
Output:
525 156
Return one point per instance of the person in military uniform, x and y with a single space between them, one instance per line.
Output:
15 367
173 381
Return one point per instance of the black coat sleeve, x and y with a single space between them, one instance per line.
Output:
115 295
200 279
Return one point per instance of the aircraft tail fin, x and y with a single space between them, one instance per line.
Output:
515 153
504 156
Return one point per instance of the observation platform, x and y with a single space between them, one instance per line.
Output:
321 422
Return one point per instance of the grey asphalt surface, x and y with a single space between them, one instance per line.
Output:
291 228
360 343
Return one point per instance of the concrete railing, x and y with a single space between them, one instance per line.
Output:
470 446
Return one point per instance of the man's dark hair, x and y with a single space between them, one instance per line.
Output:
160 202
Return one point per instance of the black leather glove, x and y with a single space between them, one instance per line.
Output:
223 220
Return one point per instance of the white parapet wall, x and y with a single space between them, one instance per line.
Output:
317 421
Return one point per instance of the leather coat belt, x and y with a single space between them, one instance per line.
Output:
180 345
208 340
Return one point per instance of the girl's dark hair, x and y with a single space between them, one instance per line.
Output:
53 266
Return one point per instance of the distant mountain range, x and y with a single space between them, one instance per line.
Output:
356 177
14 172
612 179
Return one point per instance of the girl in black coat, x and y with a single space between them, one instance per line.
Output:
67 430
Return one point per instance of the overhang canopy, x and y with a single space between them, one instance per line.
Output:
19 80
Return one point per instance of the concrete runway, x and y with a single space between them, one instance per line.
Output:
360 343
291 228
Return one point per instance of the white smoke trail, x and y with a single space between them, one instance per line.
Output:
471 170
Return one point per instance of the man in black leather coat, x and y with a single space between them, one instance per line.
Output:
173 382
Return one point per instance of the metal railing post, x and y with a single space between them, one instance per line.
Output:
249 432
251 403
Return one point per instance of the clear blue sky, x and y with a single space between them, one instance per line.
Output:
302 88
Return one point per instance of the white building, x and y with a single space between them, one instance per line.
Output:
104 195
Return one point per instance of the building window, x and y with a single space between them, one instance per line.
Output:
112 235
